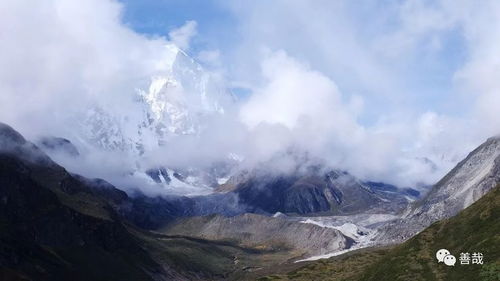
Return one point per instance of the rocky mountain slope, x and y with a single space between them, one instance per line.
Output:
51 224
473 177
256 231
312 190
475 229
466 183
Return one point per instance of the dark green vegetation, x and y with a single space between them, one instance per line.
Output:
475 229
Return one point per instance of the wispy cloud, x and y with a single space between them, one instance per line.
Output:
182 36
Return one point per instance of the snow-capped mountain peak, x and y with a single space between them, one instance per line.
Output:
176 101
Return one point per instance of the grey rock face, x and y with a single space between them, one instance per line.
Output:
466 183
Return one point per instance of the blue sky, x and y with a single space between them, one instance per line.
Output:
216 25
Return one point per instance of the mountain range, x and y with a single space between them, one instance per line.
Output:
57 224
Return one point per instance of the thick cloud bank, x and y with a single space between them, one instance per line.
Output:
59 57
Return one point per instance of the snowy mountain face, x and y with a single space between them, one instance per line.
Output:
176 103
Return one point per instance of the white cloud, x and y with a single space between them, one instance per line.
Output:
479 75
210 57
300 108
182 36
300 99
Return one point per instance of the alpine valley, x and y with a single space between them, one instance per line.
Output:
156 218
